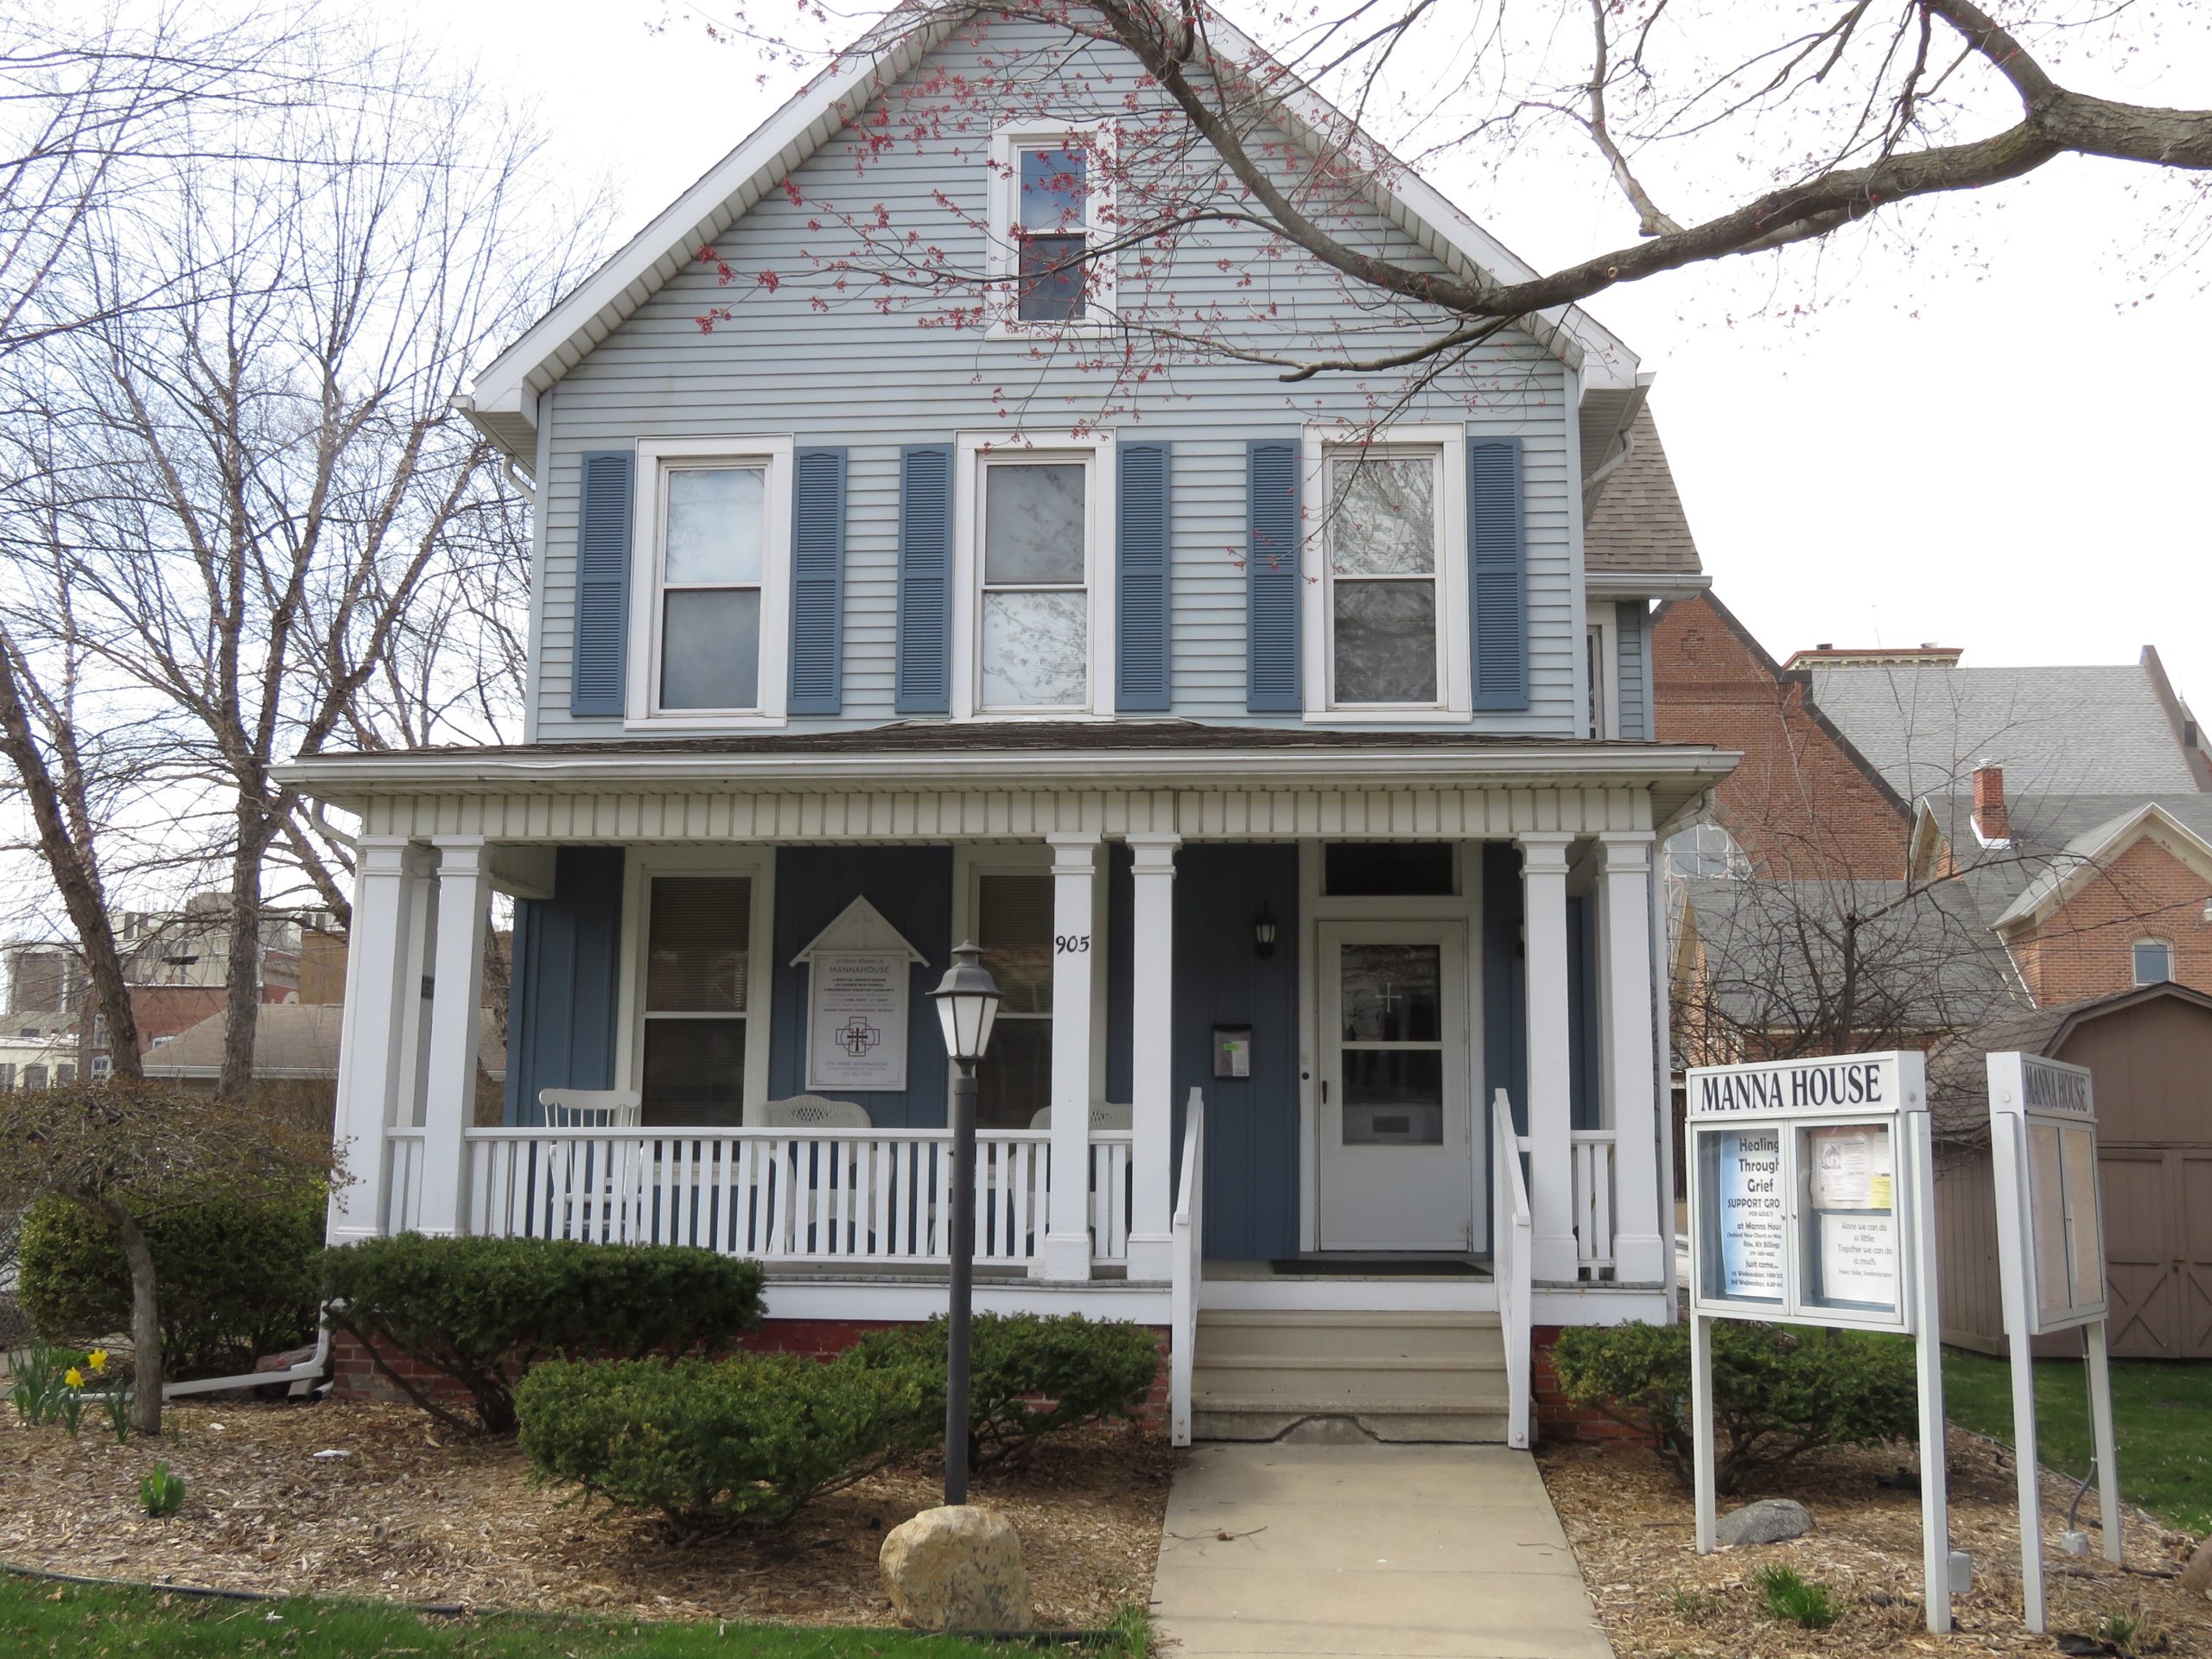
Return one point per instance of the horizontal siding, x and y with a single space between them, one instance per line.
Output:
855 376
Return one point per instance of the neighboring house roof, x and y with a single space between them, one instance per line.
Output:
1958 1079
1635 525
1773 954
2095 730
504 402
291 1040
2095 848
2056 837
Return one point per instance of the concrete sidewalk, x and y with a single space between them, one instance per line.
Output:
1369 1549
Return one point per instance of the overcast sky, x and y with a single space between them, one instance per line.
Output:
1999 445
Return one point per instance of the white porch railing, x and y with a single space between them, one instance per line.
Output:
1593 1202
1187 1232
1512 1240
878 1198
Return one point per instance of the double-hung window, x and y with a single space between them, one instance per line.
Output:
1035 631
1013 923
697 1001
713 549
1387 537
1052 195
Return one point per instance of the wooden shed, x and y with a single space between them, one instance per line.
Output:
2150 1050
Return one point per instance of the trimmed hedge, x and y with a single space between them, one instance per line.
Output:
1778 1392
1029 1376
237 1277
483 1311
710 1444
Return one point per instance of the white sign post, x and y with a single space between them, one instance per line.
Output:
2050 1252
1813 1202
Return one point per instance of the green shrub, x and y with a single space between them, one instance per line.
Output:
1029 1374
1779 1393
483 1311
710 1445
236 1276
1789 1595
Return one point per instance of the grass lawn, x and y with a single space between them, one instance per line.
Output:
69 1621
2161 1420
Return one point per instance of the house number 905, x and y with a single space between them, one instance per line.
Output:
1070 943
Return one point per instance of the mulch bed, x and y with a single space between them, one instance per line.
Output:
1631 1525
412 1514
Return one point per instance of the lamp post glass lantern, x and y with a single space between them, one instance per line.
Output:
967 1007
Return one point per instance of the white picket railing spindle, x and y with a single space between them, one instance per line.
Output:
1593 1202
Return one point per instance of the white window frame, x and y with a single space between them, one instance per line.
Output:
657 458
758 864
1605 691
1455 676
2165 945
1003 255
976 451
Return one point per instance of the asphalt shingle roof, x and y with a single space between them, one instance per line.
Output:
2055 731
1636 526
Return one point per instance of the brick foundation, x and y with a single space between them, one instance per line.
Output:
356 1376
1556 1420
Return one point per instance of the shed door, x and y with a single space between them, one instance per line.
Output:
2140 1252
2193 1270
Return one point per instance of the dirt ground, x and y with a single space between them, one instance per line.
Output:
412 1515
1632 1527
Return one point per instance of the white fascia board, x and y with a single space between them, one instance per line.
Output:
1623 765
559 341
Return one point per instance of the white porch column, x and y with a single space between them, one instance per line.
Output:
1625 1015
1067 1254
1551 1111
1152 1154
371 1056
418 969
457 978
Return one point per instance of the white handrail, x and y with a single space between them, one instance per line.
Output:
1187 1231
1512 1239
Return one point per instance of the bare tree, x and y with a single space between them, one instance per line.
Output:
1724 131
282 535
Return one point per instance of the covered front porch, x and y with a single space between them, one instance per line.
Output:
1388 1043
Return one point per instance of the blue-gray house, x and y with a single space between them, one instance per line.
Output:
1286 749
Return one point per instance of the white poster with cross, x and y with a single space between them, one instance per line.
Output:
859 985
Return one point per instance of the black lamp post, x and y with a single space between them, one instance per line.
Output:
967 1004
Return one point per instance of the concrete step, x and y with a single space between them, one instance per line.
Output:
1260 1373
1381 1337
1254 1421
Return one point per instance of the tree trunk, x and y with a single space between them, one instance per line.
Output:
242 1013
75 874
145 1315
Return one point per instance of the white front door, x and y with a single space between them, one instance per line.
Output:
1397 1159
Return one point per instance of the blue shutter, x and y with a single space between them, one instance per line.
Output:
817 582
923 683
1272 582
1141 673
1632 678
602 583
1498 580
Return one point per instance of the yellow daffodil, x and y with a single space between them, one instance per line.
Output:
97 1359
73 1378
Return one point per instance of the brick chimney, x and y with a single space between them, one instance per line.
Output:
1992 822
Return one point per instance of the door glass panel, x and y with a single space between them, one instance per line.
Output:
1394 1096
1391 994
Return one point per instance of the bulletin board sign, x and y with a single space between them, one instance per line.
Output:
1812 1201
857 1020
2054 1108
1798 1211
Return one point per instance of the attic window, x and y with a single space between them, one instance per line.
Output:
2154 962
1052 198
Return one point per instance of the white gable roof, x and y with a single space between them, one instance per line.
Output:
504 402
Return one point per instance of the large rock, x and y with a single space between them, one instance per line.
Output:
2197 1577
957 1568
1769 1521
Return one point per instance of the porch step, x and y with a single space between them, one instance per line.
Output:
1260 1373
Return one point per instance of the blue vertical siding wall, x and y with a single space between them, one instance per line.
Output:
912 887
1251 1196
565 993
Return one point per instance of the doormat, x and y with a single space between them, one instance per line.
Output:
1381 1266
